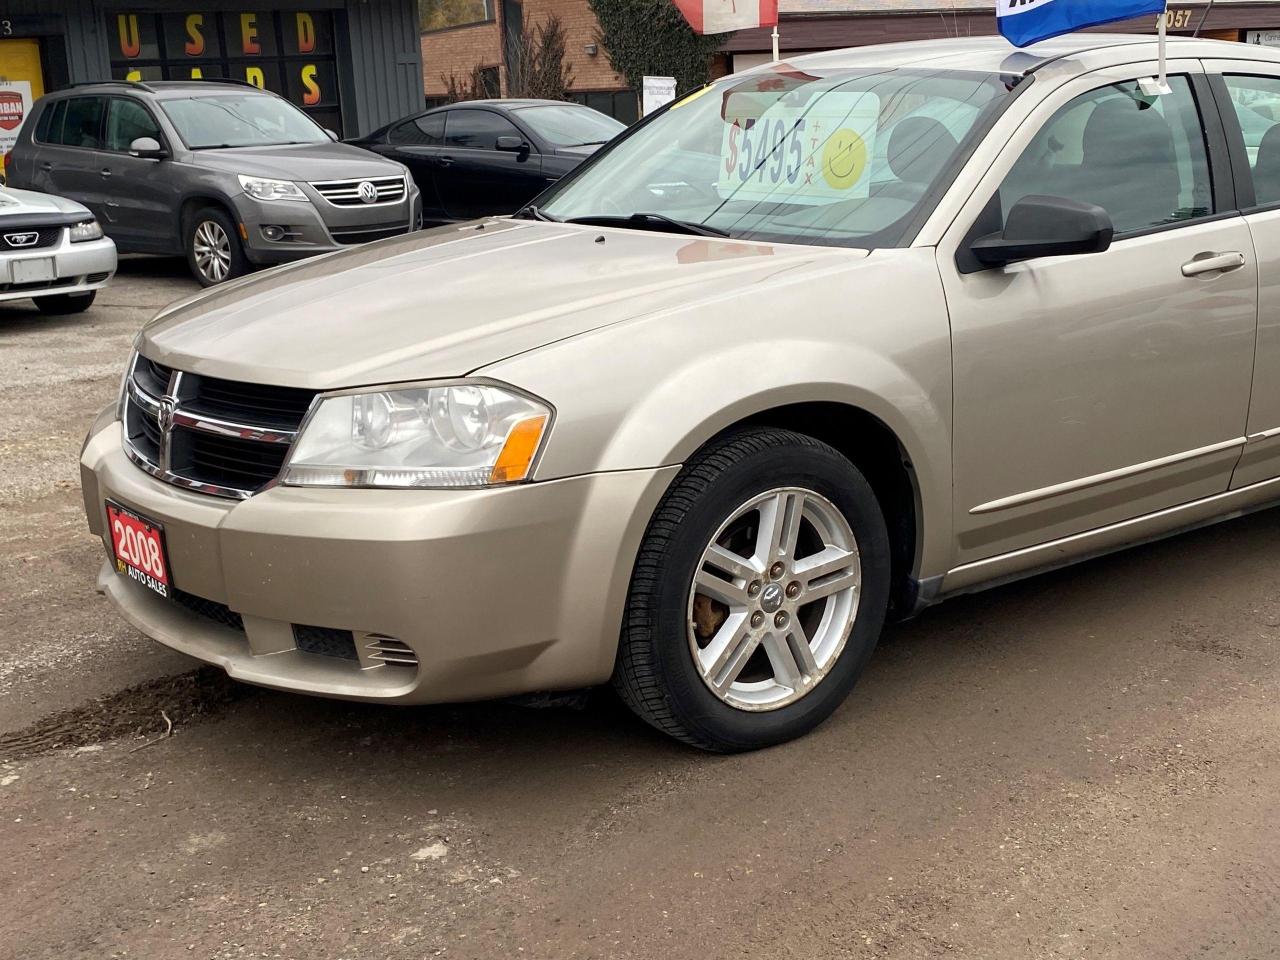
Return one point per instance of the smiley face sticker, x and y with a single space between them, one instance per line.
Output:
844 159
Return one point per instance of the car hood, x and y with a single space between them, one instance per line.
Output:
27 202
445 302
310 161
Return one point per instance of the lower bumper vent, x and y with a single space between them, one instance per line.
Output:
394 653
209 609
325 641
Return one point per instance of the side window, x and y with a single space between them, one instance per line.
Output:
82 126
425 131
476 129
127 121
1142 159
49 129
1257 105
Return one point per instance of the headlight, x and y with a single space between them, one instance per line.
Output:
88 230
261 189
457 435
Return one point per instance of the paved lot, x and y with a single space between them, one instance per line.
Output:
1082 765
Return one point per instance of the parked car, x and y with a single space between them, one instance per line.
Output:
232 175
52 251
731 395
488 157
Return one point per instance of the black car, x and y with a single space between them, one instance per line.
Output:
485 157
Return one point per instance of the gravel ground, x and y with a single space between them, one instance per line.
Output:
1082 765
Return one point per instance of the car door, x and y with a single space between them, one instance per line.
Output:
140 197
1247 93
69 161
418 144
1095 388
476 178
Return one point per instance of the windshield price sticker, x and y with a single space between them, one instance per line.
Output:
818 152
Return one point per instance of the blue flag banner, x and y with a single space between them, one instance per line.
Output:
1024 22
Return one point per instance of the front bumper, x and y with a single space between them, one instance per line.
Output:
496 592
320 227
78 268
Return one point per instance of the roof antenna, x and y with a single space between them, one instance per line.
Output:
1203 17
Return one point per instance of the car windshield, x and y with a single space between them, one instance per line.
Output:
241 120
833 157
569 126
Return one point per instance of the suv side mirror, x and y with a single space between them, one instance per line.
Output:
1046 227
148 148
512 144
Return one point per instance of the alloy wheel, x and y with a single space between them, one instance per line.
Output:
212 249
773 599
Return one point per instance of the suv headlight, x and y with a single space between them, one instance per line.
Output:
85 231
263 189
467 434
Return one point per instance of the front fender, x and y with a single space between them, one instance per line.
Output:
872 334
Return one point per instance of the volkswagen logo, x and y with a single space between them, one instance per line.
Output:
21 239
168 407
368 192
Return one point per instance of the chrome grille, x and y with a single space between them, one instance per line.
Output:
214 436
354 193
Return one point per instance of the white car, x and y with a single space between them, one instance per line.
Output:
52 251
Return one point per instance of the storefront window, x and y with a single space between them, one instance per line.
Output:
443 14
290 52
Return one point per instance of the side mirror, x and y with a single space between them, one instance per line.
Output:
512 144
148 148
1046 227
332 136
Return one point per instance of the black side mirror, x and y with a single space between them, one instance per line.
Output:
1046 227
512 144
148 148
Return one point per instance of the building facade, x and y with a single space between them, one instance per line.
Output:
807 26
459 36
352 64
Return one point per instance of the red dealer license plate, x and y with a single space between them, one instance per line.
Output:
138 546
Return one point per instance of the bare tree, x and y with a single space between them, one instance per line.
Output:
537 67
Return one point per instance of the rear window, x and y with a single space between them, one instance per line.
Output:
49 126
75 122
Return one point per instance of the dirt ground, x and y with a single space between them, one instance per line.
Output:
1084 765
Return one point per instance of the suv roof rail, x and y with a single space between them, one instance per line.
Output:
136 84
232 80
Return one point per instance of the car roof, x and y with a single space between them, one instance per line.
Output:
510 104
163 89
994 54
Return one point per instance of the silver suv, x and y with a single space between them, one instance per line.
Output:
232 175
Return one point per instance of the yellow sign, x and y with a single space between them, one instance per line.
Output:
20 60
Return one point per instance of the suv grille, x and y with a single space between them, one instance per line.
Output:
10 237
347 193
214 436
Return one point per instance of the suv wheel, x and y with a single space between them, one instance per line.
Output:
758 595
63 304
213 247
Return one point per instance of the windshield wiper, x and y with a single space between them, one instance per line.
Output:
641 219
588 143
533 213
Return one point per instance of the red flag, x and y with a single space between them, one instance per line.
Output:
721 16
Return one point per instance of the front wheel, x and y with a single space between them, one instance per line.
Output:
64 304
214 251
758 595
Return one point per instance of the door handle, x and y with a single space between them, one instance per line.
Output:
444 161
1211 262
46 167
106 172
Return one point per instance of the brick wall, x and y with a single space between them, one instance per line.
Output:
458 50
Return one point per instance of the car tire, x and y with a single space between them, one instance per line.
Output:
214 251
665 674
64 304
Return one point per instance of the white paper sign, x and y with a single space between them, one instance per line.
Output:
15 106
657 92
815 152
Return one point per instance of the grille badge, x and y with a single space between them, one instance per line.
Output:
21 239
368 192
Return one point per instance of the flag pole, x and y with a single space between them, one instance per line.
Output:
776 58
1159 86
